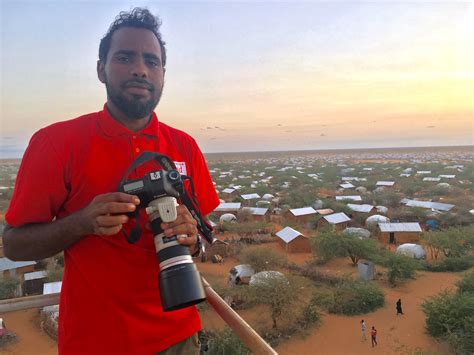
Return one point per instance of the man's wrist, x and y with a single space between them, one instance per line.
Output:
198 247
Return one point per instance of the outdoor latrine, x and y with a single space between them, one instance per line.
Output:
366 270
34 282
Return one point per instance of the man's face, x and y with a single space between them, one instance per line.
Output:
133 72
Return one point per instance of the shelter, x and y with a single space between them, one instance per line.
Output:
362 233
415 251
34 282
360 208
428 204
225 207
227 217
385 183
302 214
293 241
258 213
366 270
349 198
15 268
337 220
241 274
399 232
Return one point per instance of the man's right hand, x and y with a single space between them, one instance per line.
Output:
106 214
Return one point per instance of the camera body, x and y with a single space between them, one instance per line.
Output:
154 185
179 280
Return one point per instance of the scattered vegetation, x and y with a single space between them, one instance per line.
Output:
357 297
262 259
331 244
450 316
8 286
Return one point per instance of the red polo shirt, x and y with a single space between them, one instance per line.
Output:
110 302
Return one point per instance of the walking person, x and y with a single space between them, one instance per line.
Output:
362 328
399 307
373 335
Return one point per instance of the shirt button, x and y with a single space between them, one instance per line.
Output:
137 150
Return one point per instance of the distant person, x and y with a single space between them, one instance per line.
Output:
65 199
373 336
399 307
363 328
3 328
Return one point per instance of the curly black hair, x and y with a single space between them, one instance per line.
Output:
139 18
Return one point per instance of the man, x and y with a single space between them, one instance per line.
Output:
65 199
373 336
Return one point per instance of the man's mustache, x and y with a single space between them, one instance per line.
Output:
141 83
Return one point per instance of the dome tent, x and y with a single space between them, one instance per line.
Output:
415 251
361 233
227 217
375 219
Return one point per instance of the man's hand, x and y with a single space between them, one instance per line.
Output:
106 214
184 226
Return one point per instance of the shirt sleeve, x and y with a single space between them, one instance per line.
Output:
203 186
40 187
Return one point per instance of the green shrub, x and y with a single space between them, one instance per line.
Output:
401 268
8 287
357 297
225 342
262 259
452 264
451 316
466 284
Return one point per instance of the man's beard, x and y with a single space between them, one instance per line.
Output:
134 108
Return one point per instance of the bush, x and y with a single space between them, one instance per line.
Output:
452 264
451 317
262 259
225 342
357 297
401 268
8 287
466 284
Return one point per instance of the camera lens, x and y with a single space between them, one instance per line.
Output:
173 175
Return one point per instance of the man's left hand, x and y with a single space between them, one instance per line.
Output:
185 227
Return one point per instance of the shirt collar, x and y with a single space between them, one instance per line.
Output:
112 127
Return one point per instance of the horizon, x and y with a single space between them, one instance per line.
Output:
265 76
447 147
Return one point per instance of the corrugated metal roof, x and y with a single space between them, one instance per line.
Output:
337 218
435 179
385 183
400 227
52 287
349 198
303 211
228 207
250 196
287 234
347 186
431 205
228 190
447 176
257 211
35 275
360 208
7 264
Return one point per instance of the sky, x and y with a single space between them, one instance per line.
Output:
256 76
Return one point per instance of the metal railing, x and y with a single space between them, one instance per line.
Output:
241 328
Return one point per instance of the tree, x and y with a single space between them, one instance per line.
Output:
330 244
8 287
262 259
400 268
452 242
276 292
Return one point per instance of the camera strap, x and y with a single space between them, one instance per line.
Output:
190 202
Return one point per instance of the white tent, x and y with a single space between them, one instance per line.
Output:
412 250
376 219
227 217
357 232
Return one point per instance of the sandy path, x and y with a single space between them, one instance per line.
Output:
30 338
396 335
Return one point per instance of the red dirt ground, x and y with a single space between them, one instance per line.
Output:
336 335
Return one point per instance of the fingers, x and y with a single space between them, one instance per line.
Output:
117 197
184 224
